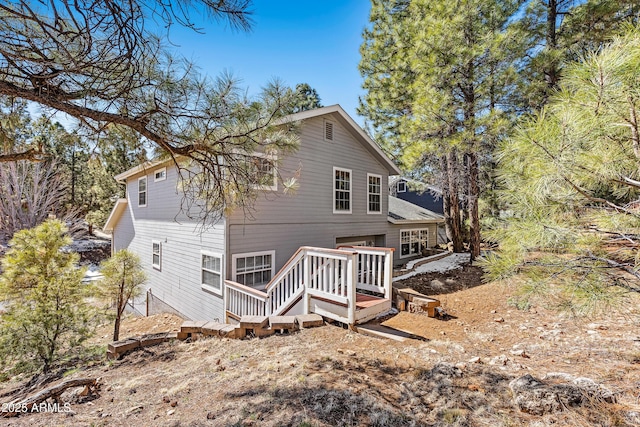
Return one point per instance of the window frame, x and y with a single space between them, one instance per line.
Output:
157 266
146 191
369 194
411 242
160 170
404 186
234 264
349 191
274 160
205 286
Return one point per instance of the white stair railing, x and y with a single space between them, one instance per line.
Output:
331 274
375 269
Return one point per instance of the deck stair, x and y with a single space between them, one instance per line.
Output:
350 284
248 326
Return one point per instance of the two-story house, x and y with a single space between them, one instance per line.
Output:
341 200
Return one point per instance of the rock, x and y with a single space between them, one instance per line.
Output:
211 416
499 360
539 398
171 411
499 319
595 390
520 353
475 360
135 409
493 311
534 397
174 404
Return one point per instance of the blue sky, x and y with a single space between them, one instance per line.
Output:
314 42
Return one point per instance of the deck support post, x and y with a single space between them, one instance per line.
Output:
351 281
388 273
307 278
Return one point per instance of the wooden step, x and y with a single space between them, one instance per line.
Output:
212 329
253 322
191 326
283 322
380 331
309 320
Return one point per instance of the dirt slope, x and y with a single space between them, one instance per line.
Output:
458 375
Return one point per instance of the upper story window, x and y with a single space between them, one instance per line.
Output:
341 190
328 130
374 193
262 172
142 191
160 174
402 186
212 272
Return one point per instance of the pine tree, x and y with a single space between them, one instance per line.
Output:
439 77
572 183
47 318
123 277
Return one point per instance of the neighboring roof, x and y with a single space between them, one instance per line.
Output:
116 213
419 185
403 212
346 121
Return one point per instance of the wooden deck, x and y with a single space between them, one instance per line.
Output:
367 307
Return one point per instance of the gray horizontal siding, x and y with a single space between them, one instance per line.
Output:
178 282
285 239
285 222
313 163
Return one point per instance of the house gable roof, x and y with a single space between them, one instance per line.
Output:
116 213
403 212
337 112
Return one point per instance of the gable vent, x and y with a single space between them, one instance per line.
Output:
328 130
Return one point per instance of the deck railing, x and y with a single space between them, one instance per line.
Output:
375 269
331 274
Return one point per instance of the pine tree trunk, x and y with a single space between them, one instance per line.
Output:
552 73
452 214
474 219
116 327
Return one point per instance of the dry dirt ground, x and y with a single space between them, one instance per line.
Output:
457 375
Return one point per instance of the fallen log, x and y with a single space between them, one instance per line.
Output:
32 403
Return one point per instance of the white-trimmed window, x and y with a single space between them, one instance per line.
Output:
341 190
262 172
142 192
160 174
254 268
413 242
156 254
211 272
402 186
328 130
374 194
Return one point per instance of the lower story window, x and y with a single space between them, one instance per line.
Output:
253 269
212 272
413 242
157 255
